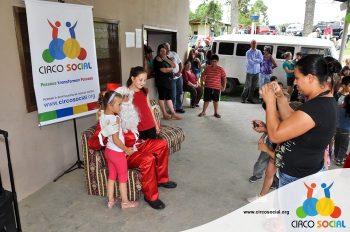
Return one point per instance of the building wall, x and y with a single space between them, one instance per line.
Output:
39 154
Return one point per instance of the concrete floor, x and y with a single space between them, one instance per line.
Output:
211 169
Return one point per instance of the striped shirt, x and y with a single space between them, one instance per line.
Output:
213 77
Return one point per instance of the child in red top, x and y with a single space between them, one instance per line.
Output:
215 80
148 126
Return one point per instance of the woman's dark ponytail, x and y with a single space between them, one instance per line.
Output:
323 68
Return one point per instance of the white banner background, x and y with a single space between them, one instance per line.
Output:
61 92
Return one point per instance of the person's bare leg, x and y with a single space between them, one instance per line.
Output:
216 107
269 174
205 107
110 193
125 201
162 107
171 108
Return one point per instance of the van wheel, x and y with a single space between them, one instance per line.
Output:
230 85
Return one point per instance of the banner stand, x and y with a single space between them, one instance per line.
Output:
13 189
78 164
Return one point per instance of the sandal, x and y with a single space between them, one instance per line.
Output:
217 115
130 204
201 114
110 204
167 117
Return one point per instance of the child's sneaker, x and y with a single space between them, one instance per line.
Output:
253 179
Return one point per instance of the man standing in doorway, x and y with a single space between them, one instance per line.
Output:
254 58
177 85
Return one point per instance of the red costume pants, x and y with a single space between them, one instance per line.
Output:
152 160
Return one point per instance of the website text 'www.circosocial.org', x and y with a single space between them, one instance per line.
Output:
67 100
285 212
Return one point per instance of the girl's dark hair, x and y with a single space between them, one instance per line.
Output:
134 72
160 46
100 99
347 106
107 96
319 66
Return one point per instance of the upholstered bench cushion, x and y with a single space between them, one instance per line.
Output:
174 136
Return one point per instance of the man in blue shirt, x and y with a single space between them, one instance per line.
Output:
254 59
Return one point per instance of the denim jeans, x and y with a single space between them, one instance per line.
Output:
177 92
261 164
249 86
264 79
285 179
341 143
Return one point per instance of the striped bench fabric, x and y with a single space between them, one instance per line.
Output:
173 135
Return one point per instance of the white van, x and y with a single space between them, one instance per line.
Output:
232 49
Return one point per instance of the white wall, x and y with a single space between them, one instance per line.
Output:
39 154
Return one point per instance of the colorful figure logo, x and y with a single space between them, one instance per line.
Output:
323 206
60 49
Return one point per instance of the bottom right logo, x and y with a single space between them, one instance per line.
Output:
324 206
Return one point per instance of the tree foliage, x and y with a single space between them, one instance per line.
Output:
208 12
246 9
259 8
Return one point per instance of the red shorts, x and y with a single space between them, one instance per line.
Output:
117 165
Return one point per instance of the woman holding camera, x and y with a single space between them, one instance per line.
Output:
302 134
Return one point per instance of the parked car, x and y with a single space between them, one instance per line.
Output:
295 29
273 30
261 30
337 27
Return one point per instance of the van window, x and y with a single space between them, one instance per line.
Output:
213 48
242 49
282 49
261 47
226 48
308 50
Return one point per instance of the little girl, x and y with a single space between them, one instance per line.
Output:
148 126
116 151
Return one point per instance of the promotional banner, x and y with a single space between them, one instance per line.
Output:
64 65
319 202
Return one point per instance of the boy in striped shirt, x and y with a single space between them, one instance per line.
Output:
215 80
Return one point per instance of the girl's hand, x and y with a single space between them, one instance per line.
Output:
263 146
268 93
129 151
157 128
